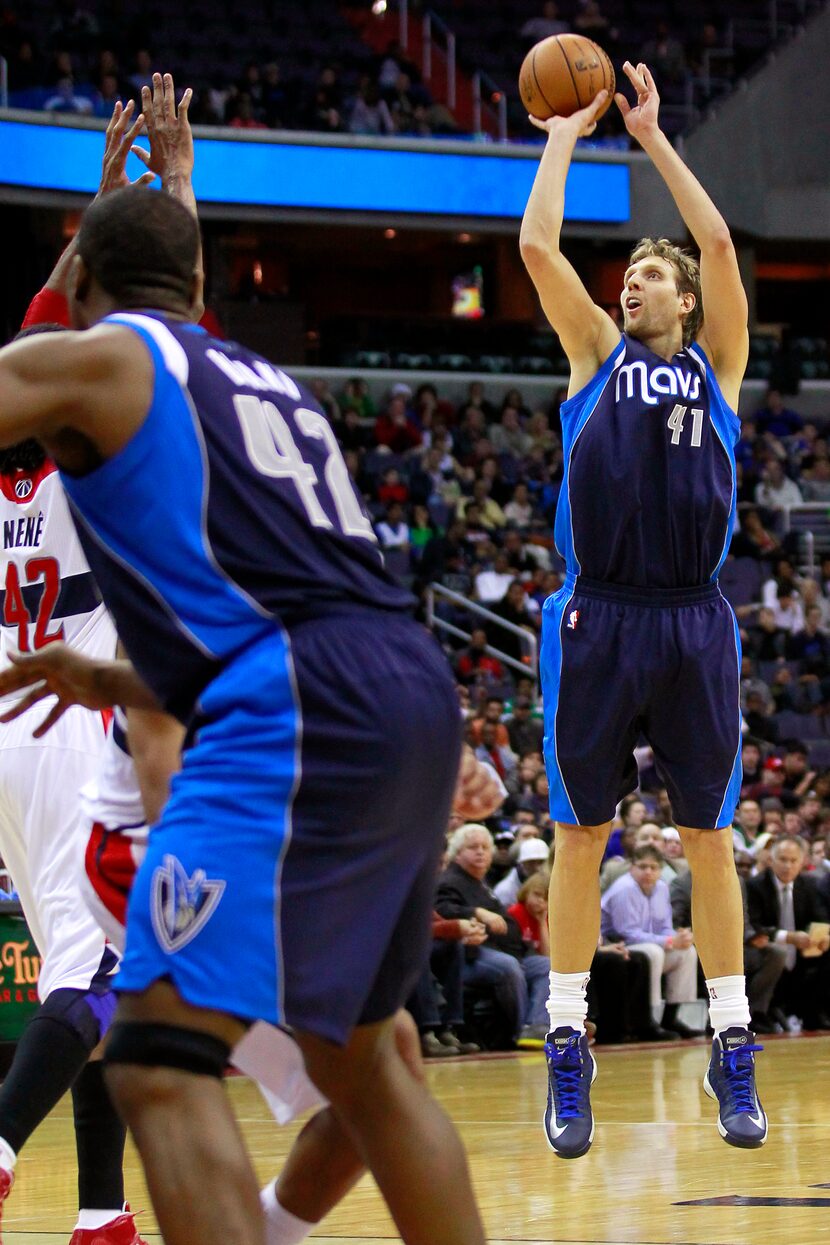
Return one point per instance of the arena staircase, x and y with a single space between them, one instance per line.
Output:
430 44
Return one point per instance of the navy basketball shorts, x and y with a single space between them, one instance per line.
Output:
292 875
620 663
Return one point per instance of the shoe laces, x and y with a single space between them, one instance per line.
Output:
739 1070
567 1079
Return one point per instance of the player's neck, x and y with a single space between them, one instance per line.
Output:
664 345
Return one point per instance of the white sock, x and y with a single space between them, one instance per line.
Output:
8 1158
728 1004
281 1227
92 1219
567 1002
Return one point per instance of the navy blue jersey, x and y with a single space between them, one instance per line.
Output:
648 495
229 512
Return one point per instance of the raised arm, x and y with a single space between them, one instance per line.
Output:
121 133
588 335
725 336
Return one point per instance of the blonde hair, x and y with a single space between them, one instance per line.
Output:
539 881
687 277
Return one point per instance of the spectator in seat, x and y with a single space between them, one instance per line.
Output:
784 903
775 418
519 510
492 712
747 825
142 74
763 960
392 488
532 858
369 112
776 491
810 647
664 55
798 777
244 117
437 1002
500 757
637 909
525 732
751 761
752 540
518 978
392 531
672 849
493 582
512 608
507 436
325 109
548 23
67 99
766 641
394 429
475 663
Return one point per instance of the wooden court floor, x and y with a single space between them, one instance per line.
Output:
658 1173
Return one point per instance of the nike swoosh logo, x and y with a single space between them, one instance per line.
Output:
757 1120
557 1132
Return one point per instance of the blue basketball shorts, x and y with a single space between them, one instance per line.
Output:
620 663
292 875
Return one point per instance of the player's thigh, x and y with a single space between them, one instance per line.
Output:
694 717
590 687
301 828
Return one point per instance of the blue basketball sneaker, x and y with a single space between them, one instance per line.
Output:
569 1122
730 1078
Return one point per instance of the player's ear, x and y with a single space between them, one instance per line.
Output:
78 285
197 295
80 279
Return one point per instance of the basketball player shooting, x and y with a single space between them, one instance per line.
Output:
640 639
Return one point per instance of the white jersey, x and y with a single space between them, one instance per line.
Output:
112 798
48 591
48 594
111 803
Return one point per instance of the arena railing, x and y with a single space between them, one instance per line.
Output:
529 667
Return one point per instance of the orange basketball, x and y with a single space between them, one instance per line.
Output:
564 73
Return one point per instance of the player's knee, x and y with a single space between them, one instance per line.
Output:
574 841
85 1014
145 1063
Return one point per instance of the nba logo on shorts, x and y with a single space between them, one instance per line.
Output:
181 905
573 619
22 489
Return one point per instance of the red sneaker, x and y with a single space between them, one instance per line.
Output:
119 1231
6 1182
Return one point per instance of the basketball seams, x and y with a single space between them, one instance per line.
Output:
536 80
567 61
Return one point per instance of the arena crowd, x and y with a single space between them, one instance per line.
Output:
464 496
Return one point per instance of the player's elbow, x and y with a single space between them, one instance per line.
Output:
719 244
536 251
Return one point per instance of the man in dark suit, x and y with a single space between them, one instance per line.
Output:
764 959
783 903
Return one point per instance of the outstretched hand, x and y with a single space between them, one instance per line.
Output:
168 129
118 144
641 120
582 123
55 670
